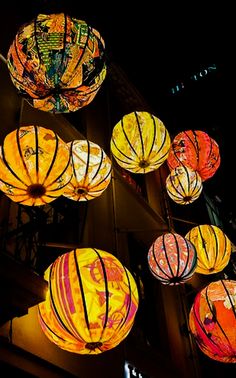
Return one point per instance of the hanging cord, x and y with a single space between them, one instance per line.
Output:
3 59
10 334
169 218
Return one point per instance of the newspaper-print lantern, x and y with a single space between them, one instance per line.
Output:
57 62
140 142
91 171
183 185
212 320
34 165
195 149
91 303
213 248
172 259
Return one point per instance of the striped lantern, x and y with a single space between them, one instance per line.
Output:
183 185
34 165
212 320
172 259
140 142
57 62
91 303
91 171
213 248
195 149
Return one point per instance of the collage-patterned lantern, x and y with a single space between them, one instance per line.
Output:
212 320
183 185
172 259
213 248
140 142
195 149
91 303
91 171
35 165
57 63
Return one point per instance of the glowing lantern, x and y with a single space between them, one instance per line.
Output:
195 149
57 62
140 142
34 165
183 185
212 320
212 246
91 303
91 171
172 259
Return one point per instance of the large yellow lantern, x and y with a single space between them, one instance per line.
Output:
57 62
140 142
213 248
212 320
91 303
91 171
35 165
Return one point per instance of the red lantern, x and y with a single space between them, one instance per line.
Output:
212 320
195 149
172 259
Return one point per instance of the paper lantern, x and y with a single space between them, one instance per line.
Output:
140 142
172 259
91 303
183 185
212 320
213 248
57 62
195 149
34 165
91 171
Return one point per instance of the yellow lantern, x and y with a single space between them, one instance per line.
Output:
213 248
140 142
57 62
34 165
91 171
183 185
91 302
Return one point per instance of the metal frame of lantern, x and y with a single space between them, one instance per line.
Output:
57 62
91 302
140 142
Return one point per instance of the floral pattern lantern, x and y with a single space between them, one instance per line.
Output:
213 248
35 165
140 142
183 185
172 259
57 63
91 171
212 320
195 149
91 303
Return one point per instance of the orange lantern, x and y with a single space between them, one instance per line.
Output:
34 165
57 62
183 185
172 259
195 149
140 142
91 171
213 248
91 302
212 320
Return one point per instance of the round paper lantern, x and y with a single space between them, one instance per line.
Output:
57 62
212 320
140 142
172 259
196 150
213 248
183 185
91 171
91 303
34 165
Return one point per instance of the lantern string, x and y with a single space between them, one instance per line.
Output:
169 218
